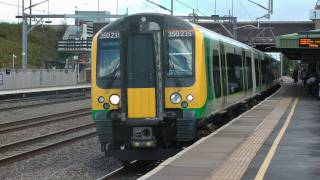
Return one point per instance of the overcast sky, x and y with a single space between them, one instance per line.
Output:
284 10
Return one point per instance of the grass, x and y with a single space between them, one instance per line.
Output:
41 47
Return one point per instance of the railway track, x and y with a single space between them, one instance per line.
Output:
24 149
27 147
132 171
10 108
43 97
41 120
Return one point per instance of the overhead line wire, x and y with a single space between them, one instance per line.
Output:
8 4
188 6
246 10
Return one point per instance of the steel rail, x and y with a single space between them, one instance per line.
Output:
26 123
36 151
133 170
41 104
47 136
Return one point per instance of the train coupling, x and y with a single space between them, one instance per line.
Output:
143 138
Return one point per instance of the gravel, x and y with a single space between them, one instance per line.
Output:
79 160
40 99
9 116
17 104
44 129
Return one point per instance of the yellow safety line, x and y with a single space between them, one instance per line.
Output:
267 161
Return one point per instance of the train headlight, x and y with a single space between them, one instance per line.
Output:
114 99
175 98
101 99
190 98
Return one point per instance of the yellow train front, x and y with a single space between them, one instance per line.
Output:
152 84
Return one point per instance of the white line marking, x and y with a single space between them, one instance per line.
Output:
169 160
266 163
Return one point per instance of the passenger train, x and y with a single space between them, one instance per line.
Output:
158 79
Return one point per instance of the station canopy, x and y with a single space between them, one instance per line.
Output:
300 46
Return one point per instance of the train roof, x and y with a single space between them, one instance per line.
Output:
176 23
164 20
228 40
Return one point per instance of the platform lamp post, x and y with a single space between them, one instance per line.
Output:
13 60
77 12
117 7
26 30
171 7
24 39
215 7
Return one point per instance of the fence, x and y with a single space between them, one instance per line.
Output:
19 79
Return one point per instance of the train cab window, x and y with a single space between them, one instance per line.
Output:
216 73
235 79
180 58
108 63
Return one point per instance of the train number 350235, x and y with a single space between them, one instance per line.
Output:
174 34
110 35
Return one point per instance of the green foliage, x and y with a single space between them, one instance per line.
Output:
42 45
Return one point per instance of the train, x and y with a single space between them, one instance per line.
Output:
158 80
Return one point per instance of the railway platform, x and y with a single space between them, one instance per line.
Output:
42 90
277 139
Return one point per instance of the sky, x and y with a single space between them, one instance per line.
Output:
284 10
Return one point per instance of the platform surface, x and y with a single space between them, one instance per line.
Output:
277 139
43 89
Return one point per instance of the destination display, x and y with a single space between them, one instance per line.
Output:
309 42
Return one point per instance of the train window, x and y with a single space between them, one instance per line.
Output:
216 73
108 63
108 58
140 52
180 58
235 74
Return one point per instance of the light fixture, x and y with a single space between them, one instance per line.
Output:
101 99
190 98
175 98
114 99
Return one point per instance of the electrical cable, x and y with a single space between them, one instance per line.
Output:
182 3
246 10
8 4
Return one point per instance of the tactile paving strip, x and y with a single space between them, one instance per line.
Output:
237 163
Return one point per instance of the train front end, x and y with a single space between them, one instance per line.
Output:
148 85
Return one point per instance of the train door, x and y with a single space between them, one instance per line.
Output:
250 73
141 76
244 72
224 74
260 72
257 72
141 72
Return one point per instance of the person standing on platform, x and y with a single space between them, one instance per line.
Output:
304 76
295 75
311 83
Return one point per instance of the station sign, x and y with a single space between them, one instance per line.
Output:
309 42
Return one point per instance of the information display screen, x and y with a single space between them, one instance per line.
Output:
309 42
